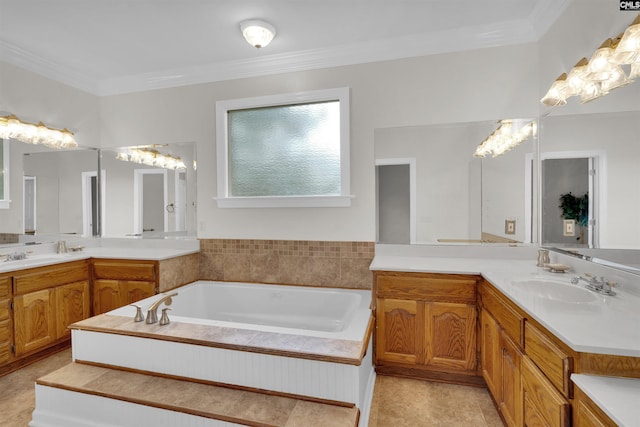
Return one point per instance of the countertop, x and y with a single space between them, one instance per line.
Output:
43 257
607 325
617 397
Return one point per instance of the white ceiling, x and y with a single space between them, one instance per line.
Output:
116 46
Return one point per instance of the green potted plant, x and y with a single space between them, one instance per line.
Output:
577 209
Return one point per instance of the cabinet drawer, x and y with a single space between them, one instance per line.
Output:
556 364
36 279
122 270
505 314
429 287
543 404
5 287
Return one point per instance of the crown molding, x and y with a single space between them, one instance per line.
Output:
508 33
51 69
457 40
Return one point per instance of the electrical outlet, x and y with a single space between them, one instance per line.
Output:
569 227
509 226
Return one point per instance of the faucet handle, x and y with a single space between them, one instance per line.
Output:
139 316
164 319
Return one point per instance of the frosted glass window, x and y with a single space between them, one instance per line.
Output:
288 150
291 150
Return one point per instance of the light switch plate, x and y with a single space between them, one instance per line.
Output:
509 226
569 227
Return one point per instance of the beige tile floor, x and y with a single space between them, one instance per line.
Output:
397 402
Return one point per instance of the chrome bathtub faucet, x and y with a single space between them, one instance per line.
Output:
152 311
600 286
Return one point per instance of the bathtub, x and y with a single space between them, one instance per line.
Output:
337 314
319 312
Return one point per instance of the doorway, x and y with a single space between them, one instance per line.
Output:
29 201
149 201
91 205
396 201
572 178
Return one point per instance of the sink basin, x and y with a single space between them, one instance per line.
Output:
556 291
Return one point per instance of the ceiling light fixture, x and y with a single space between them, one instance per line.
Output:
257 33
12 127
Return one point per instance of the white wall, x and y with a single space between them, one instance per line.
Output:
464 86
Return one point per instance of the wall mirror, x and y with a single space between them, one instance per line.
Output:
53 193
590 161
432 190
145 195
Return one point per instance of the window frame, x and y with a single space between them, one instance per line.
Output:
224 200
5 201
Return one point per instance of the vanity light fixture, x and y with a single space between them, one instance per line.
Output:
628 50
11 127
257 33
557 94
603 72
151 157
507 136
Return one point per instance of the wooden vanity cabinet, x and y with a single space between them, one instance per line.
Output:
426 325
501 351
6 324
526 369
587 414
46 301
120 282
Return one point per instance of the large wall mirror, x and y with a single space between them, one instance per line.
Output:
52 193
432 190
146 194
590 179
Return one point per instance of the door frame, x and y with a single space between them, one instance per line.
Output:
138 191
597 191
35 202
411 162
86 201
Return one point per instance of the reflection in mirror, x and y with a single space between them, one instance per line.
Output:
594 158
148 201
51 194
432 190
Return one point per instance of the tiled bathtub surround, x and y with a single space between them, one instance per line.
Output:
9 238
179 271
299 262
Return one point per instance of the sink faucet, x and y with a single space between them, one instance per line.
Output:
601 285
152 311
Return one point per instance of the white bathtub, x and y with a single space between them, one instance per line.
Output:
319 312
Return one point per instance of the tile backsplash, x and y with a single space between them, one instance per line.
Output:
297 262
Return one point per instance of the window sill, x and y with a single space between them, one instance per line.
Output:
5 204
285 202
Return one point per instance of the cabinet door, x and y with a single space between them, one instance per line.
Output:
490 352
450 336
34 321
72 305
107 296
133 291
397 330
510 397
6 328
544 405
